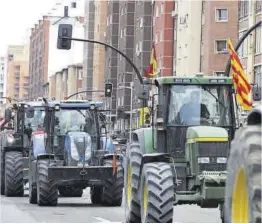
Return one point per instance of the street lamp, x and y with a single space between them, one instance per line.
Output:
131 107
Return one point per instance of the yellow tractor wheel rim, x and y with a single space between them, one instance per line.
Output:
240 205
145 197
129 185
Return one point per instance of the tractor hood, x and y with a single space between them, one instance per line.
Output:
206 133
78 145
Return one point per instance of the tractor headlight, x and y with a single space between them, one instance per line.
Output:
88 152
203 160
74 152
221 160
57 107
92 106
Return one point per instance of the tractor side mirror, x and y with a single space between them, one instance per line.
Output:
64 36
30 112
8 115
256 92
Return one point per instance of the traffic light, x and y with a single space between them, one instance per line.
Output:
64 30
108 89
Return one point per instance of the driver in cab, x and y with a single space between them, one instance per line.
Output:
194 112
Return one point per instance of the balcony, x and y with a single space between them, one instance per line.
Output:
17 74
26 85
17 85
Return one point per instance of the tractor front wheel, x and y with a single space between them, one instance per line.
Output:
113 189
47 194
243 186
96 195
14 174
157 193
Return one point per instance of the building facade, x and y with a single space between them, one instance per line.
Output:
66 82
38 62
250 12
99 50
17 79
202 30
163 29
111 61
125 71
89 26
2 79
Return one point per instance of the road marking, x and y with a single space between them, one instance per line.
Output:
101 219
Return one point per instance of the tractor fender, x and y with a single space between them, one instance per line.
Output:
45 156
144 136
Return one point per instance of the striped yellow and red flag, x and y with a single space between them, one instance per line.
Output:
152 70
240 79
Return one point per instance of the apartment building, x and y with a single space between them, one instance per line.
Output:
201 32
38 62
111 61
89 25
250 12
67 82
17 79
99 50
125 71
2 79
163 29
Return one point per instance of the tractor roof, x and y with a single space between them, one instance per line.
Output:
195 80
77 104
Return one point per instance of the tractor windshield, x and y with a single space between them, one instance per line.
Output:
37 120
76 120
199 105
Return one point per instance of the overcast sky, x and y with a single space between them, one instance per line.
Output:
18 16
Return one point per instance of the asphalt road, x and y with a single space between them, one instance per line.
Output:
80 210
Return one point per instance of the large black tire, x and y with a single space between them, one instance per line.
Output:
2 175
70 192
131 191
243 187
113 188
14 175
96 195
157 193
32 193
47 194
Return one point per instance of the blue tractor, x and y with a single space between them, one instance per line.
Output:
72 153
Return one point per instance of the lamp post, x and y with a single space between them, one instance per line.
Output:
131 107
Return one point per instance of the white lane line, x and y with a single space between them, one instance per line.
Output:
102 219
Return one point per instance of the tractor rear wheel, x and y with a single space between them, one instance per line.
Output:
113 188
47 194
96 195
2 175
14 174
157 193
243 186
132 176
70 192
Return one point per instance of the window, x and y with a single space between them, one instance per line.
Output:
141 22
258 6
195 105
162 8
257 74
111 20
221 15
121 33
73 5
157 12
124 31
221 46
243 9
107 21
80 75
258 40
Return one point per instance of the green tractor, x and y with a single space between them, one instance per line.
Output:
182 158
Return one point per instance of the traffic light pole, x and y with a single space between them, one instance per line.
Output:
111 47
85 91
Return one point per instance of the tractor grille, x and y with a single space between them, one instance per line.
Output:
212 150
